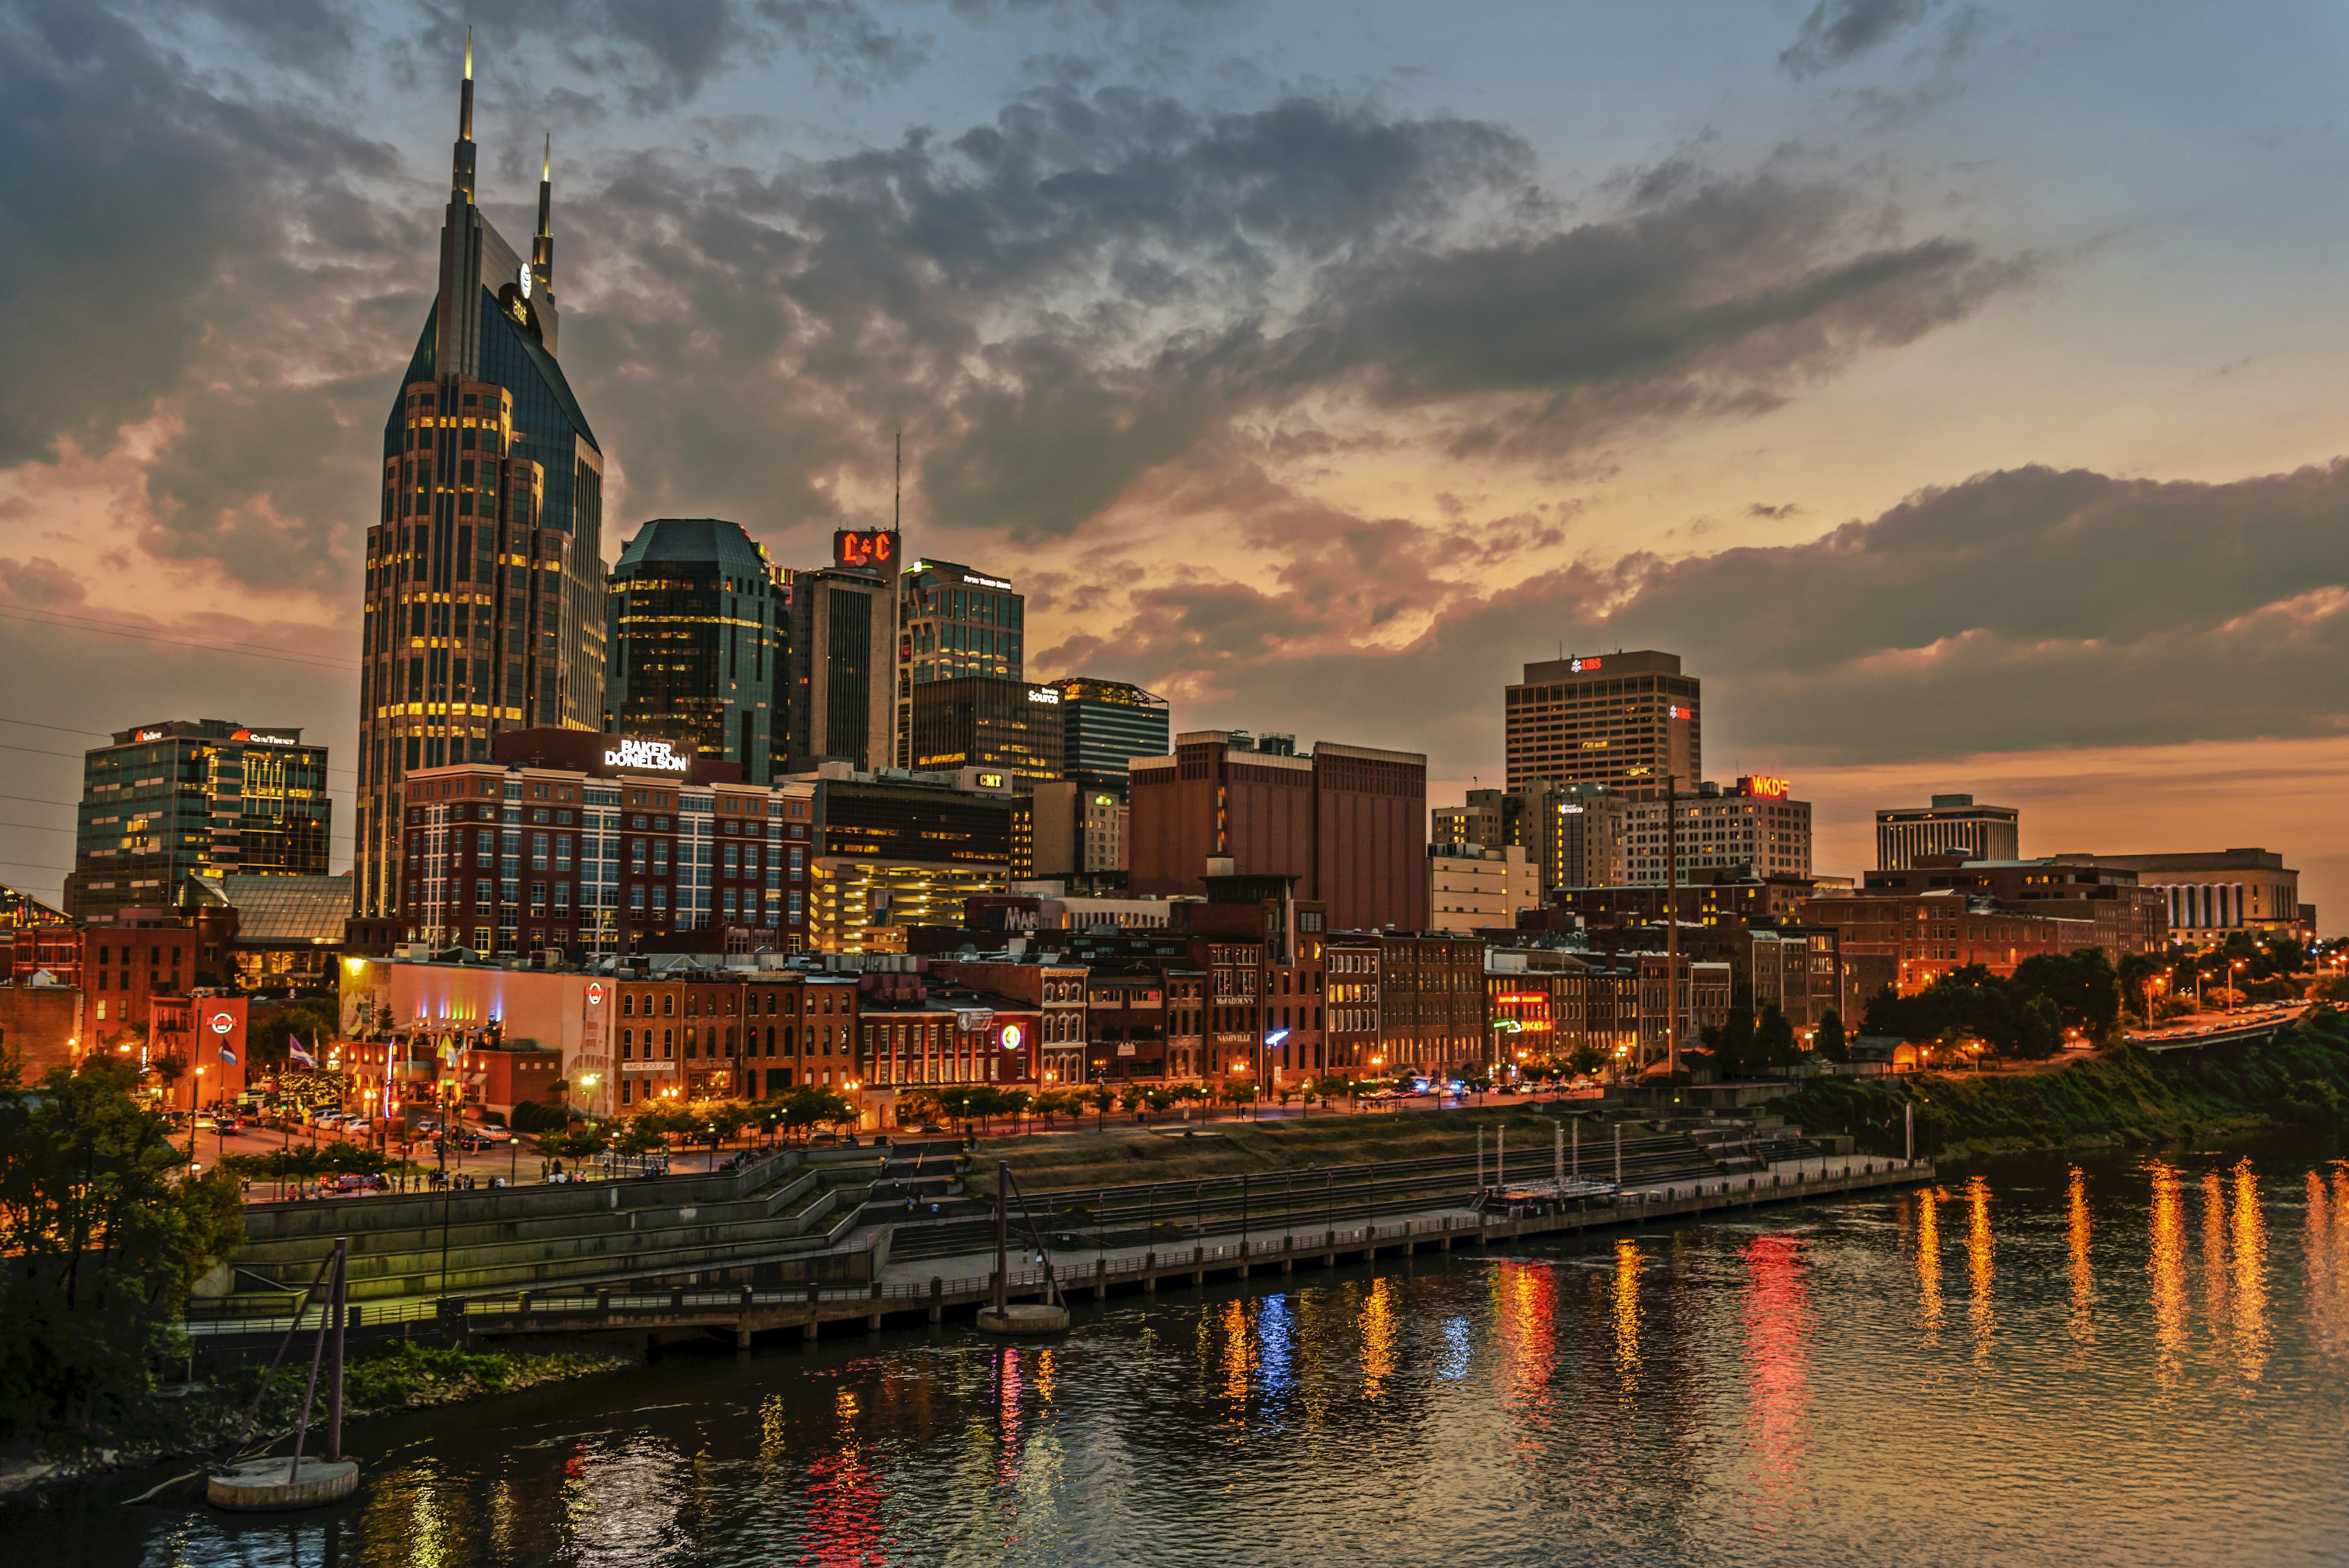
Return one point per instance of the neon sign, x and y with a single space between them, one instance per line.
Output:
1765 786
1583 666
863 547
1042 694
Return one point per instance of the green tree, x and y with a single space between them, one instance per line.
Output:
1103 1099
2082 986
638 1137
1830 1041
101 1235
314 1022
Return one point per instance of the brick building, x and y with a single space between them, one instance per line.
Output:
2128 918
1348 823
1931 933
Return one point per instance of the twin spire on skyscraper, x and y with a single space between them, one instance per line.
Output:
461 182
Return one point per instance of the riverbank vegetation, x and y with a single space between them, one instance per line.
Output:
2123 1096
102 1234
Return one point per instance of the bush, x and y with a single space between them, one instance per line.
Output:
536 1116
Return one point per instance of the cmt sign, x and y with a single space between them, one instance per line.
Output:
1764 787
863 547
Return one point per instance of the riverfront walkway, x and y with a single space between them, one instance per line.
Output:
925 1289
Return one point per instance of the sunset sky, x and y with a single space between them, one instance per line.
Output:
1957 387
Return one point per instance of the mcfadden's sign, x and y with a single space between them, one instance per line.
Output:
647 756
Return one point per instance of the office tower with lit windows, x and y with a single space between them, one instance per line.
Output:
485 608
698 633
1104 725
985 721
953 622
1623 720
202 798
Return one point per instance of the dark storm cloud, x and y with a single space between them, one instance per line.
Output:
1839 31
2018 610
1088 288
1095 284
136 209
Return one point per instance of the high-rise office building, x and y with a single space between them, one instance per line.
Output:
953 622
484 604
1574 835
698 631
1104 725
987 722
1622 719
842 649
185 798
1755 827
1952 825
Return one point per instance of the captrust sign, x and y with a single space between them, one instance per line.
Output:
654 756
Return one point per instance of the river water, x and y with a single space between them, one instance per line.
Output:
2116 1359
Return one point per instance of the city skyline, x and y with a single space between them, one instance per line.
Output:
1904 518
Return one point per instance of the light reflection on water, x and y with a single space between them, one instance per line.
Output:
2132 1383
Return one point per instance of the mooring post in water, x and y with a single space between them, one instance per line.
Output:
1002 1233
340 1296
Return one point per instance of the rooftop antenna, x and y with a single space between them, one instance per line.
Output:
897 494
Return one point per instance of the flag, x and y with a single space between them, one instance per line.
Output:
227 1056
300 1052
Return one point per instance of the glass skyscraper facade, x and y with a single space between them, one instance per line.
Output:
184 798
698 633
484 607
1103 722
952 622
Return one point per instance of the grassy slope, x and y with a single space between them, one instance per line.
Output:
2304 1078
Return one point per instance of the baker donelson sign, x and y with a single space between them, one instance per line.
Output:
657 756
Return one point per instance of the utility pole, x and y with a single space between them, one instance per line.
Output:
1671 927
1002 1234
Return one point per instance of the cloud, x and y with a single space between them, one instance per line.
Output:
2017 612
1839 31
1095 284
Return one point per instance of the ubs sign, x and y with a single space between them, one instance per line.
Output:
646 756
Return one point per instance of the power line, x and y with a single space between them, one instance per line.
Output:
35 827
36 865
248 650
36 724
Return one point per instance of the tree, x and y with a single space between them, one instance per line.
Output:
1773 1040
1102 1098
2082 986
1830 1041
313 1022
1735 1053
639 1137
102 1233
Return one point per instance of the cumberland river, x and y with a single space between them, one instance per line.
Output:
2117 1359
